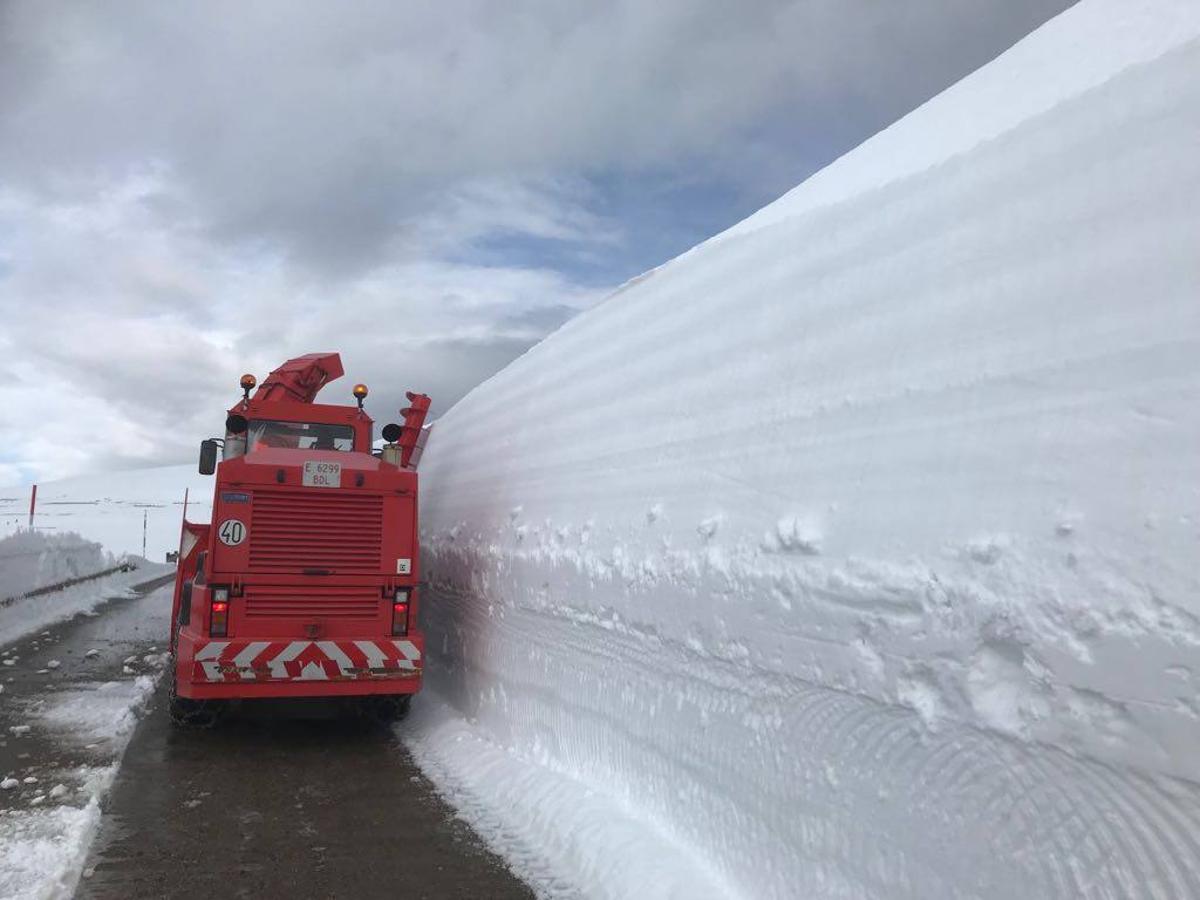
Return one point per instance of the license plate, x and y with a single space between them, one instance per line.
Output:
322 474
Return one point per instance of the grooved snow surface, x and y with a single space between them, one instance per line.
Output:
854 552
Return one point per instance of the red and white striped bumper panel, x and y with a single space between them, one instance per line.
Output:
306 660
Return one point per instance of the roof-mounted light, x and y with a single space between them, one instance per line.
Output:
248 382
360 394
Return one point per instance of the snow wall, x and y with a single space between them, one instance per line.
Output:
853 553
30 560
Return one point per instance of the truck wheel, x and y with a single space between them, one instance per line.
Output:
383 709
402 705
188 713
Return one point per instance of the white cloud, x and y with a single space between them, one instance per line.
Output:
128 332
329 126
191 191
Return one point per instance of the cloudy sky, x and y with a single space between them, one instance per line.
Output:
193 190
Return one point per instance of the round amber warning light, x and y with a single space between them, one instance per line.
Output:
360 391
249 381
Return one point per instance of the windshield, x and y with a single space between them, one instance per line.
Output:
300 435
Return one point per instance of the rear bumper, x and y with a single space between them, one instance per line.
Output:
219 668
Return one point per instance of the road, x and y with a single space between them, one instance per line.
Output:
280 800
269 804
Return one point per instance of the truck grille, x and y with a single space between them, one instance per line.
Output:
283 602
294 530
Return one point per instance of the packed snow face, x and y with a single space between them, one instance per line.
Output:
115 508
30 560
854 552
556 833
41 850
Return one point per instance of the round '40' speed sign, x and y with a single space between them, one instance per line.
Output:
232 532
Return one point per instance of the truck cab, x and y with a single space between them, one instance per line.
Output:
305 581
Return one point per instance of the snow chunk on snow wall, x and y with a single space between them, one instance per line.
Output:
853 553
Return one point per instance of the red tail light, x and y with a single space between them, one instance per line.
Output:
400 614
218 623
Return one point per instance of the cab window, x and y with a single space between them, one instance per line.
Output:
299 435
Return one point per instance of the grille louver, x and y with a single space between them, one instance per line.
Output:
282 602
294 530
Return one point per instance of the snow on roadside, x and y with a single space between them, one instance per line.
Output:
114 507
29 614
104 713
30 560
42 850
44 845
53 815
557 831
854 551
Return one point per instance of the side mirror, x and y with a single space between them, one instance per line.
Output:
235 424
391 433
208 457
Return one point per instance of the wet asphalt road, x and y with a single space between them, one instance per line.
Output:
270 804
282 799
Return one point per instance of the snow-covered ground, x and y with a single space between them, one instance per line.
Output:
83 526
111 508
852 554
66 734
30 614
43 845
43 848
32 560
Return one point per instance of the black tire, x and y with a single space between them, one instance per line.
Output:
383 709
188 713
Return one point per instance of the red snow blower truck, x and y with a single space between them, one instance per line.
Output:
304 584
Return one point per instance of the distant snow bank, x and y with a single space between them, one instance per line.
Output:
113 508
854 552
30 560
